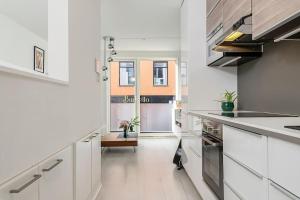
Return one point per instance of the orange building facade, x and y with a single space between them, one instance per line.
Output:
147 87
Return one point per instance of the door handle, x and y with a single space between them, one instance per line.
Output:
210 142
58 161
26 185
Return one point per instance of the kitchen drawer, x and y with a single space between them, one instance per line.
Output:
284 164
249 185
192 163
83 169
27 184
248 148
276 192
57 180
96 163
215 18
229 193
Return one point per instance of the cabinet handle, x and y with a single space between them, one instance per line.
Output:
233 190
244 166
58 161
35 178
284 191
87 140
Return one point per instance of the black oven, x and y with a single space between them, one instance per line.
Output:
212 157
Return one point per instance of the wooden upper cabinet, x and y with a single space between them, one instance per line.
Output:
268 14
215 18
210 5
233 10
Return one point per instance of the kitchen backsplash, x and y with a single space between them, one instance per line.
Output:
272 82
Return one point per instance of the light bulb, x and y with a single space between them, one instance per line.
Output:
113 52
110 59
110 46
105 78
104 68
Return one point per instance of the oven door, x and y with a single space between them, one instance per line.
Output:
212 163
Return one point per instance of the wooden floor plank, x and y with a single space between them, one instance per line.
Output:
147 174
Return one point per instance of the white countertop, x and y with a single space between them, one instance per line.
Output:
269 126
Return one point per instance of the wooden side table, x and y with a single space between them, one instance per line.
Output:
114 140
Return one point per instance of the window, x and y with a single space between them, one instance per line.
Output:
127 77
160 73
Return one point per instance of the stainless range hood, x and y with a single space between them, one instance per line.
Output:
235 46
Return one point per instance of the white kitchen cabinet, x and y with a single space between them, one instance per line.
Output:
276 192
246 147
83 169
247 182
284 164
57 176
192 162
229 193
96 163
23 187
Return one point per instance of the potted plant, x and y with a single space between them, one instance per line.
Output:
129 125
133 122
228 101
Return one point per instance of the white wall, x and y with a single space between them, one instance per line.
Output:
205 84
40 117
17 43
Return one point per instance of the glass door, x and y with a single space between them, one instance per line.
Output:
157 91
122 92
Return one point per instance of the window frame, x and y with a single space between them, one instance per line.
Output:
153 71
127 61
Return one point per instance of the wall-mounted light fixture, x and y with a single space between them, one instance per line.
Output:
109 45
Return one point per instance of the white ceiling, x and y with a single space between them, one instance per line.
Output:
32 14
149 25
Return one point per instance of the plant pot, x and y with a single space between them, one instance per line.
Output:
227 106
131 128
125 133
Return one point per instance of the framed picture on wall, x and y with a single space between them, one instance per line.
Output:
39 59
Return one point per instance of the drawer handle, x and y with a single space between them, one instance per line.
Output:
35 178
87 140
58 161
244 166
233 190
284 191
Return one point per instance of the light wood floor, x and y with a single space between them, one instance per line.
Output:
147 174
